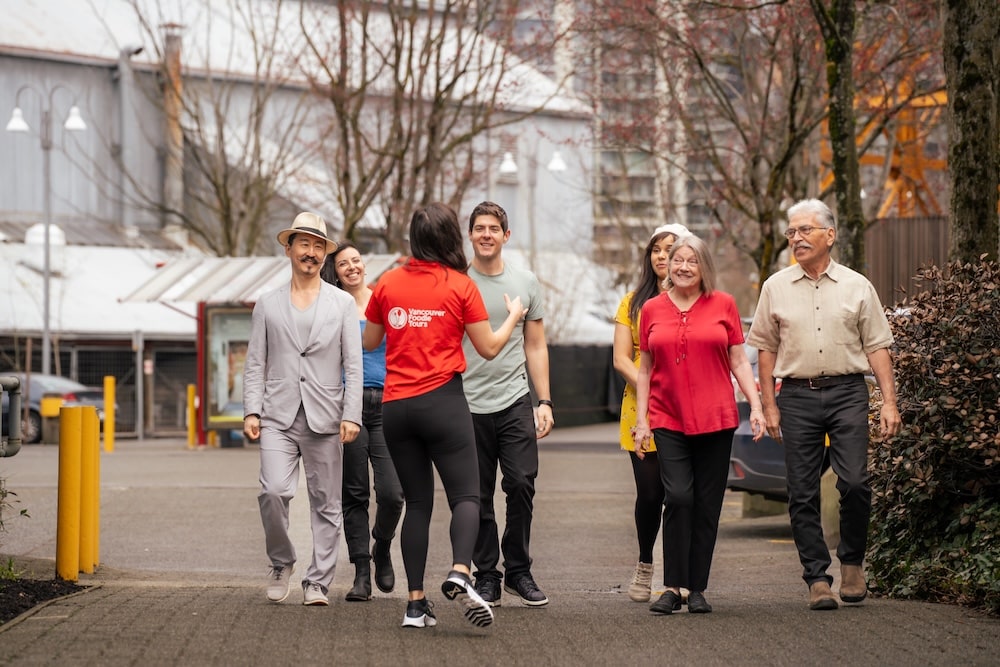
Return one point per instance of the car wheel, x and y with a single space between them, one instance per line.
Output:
31 428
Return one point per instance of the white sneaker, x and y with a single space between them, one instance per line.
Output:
312 594
419 614
642 580
278 580
458 587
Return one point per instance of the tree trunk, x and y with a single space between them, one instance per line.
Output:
972 68
837 25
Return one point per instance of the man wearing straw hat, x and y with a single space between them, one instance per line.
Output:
302 398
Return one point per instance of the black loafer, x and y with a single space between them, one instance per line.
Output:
668 603
697 604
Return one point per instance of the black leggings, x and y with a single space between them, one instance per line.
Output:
648 502
434 428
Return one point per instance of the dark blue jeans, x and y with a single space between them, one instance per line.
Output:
506 438
807 417
370 446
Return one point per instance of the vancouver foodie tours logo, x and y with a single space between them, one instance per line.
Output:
414 317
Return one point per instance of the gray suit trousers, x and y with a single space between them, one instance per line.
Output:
322 458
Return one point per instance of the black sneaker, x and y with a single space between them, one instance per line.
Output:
458 588
419 614
668 603
524 587
489 590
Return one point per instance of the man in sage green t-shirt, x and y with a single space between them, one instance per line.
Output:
507 424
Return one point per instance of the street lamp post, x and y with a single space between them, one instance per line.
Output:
74 122
508 167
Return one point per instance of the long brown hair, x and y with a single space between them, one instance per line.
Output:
435 236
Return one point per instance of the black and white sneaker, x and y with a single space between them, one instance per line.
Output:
419 614
525 588
458 587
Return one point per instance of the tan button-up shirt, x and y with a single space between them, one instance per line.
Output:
819 327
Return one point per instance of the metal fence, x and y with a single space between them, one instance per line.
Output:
172 367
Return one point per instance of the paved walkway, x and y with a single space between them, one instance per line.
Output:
182 568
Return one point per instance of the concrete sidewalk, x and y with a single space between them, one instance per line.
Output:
183 566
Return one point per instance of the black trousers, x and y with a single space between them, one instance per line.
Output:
506 438
370 446
694 469
807 417
434 429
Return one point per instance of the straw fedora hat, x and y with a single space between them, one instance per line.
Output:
308 223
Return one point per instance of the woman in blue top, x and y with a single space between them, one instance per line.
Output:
345 268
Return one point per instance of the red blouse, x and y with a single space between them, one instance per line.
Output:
690 384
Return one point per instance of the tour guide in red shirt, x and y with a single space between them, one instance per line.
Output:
423 309
689 341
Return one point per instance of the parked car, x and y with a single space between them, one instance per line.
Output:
756 467
39 385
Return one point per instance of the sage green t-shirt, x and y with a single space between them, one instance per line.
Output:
491 386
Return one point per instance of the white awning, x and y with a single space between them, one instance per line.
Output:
229 279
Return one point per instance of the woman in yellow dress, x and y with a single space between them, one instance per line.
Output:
653 279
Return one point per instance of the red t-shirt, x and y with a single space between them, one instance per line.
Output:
690 386
424 308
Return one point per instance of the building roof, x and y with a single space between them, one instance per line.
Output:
188 280
85 287
86 231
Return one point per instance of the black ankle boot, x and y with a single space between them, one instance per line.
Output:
385 577
362 589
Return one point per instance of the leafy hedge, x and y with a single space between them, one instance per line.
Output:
936 486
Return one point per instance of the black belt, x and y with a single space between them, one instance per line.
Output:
826 381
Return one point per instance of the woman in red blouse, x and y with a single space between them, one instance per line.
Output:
690 341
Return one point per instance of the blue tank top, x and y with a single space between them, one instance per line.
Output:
374 363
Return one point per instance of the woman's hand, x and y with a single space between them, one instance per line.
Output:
757 423
514 306
643 439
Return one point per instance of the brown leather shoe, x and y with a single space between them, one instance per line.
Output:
821 597
852 583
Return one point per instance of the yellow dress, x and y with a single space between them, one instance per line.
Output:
627 417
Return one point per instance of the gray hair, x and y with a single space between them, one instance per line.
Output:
819 211
704 258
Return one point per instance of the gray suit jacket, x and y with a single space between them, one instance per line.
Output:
323 374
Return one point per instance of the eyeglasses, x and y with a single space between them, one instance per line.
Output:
677 261
803 231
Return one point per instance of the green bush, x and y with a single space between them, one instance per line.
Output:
936 485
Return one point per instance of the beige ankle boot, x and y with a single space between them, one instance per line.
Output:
642 579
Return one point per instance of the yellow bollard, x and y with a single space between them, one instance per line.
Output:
192 416
68 501
109 413
90 490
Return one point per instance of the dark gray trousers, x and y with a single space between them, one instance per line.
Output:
807 417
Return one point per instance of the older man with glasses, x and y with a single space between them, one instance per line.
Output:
821 327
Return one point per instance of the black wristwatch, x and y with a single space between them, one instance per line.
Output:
545 401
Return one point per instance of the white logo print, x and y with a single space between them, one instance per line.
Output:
397 318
